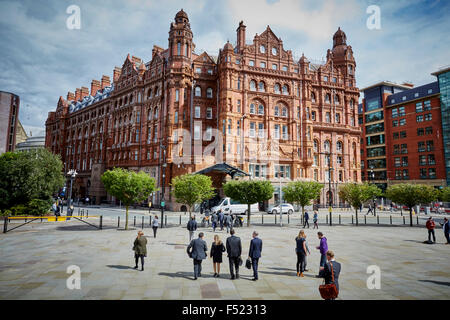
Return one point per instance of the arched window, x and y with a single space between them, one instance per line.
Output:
150 114
339 146
261 87
327 98
253 85
277 88
336 99
352 103
327 117
313 115
313 97
125 101
252 108
186 46
156 113
156 91
284 112
316 146
198 91
338 118
261 109
179 48
285 90
131 98
209 93
277 111
326 146
100 128
149 93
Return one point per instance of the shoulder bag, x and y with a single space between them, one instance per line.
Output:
329 291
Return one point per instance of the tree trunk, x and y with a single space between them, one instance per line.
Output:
410 217
248 215
190 212
126 217
356 216
303 214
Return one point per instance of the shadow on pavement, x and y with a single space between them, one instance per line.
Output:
442 283
119 267
82 228
180 274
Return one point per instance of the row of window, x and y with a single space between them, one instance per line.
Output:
429 173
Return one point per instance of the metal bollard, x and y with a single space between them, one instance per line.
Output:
142 222
135 221
403 219
101 222
165 218
275 219
339 219
262 218
5 224
180 219
118 221
87 213
288 218
417 220
390 217
378 219
365 220
352 219
326 219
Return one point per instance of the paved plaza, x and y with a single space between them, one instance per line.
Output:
34 261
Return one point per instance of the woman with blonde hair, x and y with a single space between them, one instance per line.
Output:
301 251
140 249
217 248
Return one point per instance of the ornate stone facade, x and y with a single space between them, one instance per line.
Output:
252 107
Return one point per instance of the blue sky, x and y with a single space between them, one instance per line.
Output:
42 59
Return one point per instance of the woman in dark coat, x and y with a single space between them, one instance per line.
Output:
301 251
140 249
217 249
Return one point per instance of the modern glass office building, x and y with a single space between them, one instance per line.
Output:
443 76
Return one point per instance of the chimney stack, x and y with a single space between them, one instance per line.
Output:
106 82
117 72
241 36
84 92
70 96
95 86
77 94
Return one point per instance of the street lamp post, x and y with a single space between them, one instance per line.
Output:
280 175
72 174
330 200
372 178
163 204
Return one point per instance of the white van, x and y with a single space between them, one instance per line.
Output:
235 207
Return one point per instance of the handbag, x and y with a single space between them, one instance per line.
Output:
248 263
329 291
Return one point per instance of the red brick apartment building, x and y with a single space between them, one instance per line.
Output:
9 120
253 107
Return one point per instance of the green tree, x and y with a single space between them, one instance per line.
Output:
190 189
358 193
444 194
248 192
302 193
29 179
411 195
128 186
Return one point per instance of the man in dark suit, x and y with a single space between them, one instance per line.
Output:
191 226
197 250
255 253
234 250
325 271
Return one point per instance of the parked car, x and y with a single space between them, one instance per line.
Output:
227 205
285 208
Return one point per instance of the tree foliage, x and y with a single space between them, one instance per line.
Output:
302 192
128 186
444 194
248 192
28 180
411 195
356 194
190 189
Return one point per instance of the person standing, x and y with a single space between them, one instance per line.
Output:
55 208
228 222
192 226
446 228
198 250
254 253
430 226
301 251
140 249
155 225
234 250
323 248
221 219
306 219
315 218
325 271
214 221
207 216
370 210
217 248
